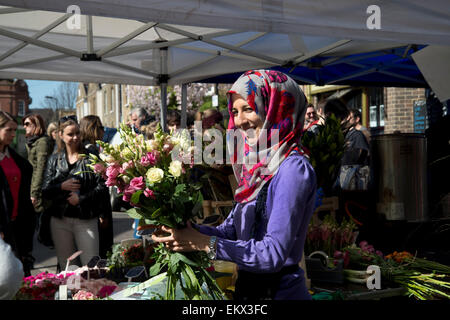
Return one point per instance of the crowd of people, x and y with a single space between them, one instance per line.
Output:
54 191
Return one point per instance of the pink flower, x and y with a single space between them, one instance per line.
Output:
156 154
106 291
152 157
128 165
144 161
338 254
112 172
149 193
99 168
110 182
128 192
137 183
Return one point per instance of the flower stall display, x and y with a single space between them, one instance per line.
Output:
154 177
422 279
42 286
122 258
45 285
329 235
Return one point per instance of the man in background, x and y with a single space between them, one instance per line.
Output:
311 119
355 121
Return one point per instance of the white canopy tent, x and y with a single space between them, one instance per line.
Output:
177 42
40 45
411 21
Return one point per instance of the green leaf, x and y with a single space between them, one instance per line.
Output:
186 260
134 213
192 276
135 197
155 269
156 213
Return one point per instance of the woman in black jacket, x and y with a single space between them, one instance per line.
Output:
17 215
74 191
91 129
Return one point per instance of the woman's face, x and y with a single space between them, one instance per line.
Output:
29 127
7 133
70 136
246 119
54 134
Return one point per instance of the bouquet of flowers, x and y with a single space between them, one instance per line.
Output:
330 235
153 175
422 279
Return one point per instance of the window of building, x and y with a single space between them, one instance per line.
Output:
21 108
376 107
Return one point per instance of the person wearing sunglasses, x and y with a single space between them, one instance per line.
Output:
74 191
92 130
17 215
39 148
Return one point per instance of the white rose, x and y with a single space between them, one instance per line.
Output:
175 168
107 158
155 175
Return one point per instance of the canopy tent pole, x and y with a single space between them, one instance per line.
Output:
183 121
163 79
89 33
164 106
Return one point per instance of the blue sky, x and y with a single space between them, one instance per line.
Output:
38 89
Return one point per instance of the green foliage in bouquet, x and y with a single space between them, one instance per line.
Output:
325 150
154 176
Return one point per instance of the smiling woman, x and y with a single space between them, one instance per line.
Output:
264 233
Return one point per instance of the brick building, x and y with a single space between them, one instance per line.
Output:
384 110
400 108
14 97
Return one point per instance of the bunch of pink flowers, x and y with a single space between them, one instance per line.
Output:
42 286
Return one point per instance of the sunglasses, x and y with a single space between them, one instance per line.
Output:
67 118
26 124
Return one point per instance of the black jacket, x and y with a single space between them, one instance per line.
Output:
21 236
92 188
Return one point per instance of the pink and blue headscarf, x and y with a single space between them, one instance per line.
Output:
281 105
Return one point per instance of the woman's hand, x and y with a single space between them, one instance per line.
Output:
187 239
73 198
70 185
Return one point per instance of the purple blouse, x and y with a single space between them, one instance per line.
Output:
289 207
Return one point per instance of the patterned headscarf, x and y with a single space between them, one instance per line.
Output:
281 105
